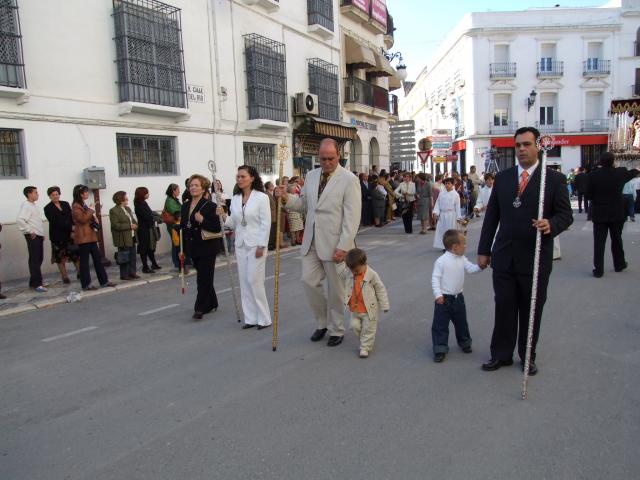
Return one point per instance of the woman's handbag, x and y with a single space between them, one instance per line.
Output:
168 218
122 257
208 235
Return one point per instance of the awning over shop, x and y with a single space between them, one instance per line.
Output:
337 130
394 82
382 68
358 53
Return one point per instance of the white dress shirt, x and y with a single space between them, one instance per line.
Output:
406 191
483 198
448 274
29 220
530 171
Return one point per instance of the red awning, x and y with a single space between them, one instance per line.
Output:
459 145
560 140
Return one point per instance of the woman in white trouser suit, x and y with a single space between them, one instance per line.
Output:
251 221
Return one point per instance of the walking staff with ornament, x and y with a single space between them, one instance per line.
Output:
283 154
232 278
545 143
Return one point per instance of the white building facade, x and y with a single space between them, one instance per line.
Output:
152 91
556 69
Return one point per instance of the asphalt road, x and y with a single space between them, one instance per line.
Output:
127 386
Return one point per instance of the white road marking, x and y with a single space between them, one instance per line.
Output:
156 310
69 334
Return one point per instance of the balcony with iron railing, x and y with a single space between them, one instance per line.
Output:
503 129
361 96
550 69
320 17
635 90
555 127
596 67
502 70
594 125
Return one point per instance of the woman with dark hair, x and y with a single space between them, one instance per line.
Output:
423 201
123 231
171 217
201 235
251 220
58 213
86 237
147 232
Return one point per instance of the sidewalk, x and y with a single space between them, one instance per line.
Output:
21 298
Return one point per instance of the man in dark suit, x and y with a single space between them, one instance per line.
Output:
580 183
513 206
604 190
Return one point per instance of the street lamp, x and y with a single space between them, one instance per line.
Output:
531 100
401 68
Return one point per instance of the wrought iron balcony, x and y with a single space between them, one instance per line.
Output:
509 128
550 69
11 60
320 12
365 93
502 70
594 125
555 127
596 66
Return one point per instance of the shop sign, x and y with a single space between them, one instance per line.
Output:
368 126
379 11
361 4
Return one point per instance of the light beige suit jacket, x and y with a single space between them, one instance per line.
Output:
332 221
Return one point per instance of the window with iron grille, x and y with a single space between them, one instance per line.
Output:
320 12
261 156
146 155
11 62
266 78
11 162
323 81
149 53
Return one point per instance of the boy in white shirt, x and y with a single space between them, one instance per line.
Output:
484 195
447 281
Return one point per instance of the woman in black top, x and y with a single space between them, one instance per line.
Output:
198 214
58 214
148 233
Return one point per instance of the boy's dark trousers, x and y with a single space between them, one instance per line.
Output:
453 309
35 246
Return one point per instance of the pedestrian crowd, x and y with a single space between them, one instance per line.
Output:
323 214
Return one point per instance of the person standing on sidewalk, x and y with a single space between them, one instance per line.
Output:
31 225
580 183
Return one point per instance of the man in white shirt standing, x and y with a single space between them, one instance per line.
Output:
30 224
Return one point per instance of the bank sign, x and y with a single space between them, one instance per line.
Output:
361 4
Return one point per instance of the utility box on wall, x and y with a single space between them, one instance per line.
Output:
94 178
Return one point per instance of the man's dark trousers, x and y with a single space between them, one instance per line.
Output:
453 309
35 246
510 286
600 230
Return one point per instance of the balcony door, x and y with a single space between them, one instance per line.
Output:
547 56
594 54
501 104
548 108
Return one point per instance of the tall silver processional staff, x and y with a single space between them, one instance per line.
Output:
232 278
283 154
545 143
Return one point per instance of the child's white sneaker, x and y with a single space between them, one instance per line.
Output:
364 354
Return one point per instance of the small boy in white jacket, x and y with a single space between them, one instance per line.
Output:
365 295
447 282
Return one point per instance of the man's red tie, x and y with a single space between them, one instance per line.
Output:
524 179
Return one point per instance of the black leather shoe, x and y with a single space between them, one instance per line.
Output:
334 341
532 368
439 357
147 270
247 326
494 364
318 334
623 267
260 327
597 274
467 349
197 315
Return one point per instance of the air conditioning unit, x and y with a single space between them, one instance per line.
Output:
306 104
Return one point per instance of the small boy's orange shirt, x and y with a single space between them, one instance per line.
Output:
356 302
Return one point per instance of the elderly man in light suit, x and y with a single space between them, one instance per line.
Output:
332 203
